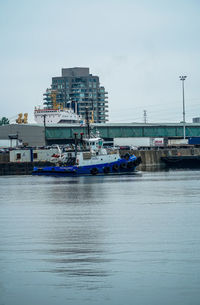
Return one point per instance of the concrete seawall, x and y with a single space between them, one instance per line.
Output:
151 159
22 168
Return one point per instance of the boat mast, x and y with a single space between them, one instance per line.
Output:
76 143
87 122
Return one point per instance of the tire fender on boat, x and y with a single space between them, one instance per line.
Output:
130 164
94 171
137 161
106 169
123 165
115 167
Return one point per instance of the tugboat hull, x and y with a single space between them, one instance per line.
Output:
121 166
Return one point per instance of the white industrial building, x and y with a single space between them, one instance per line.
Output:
32 155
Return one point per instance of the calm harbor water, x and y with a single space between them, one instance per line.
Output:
100 240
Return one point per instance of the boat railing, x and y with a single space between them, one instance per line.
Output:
111 152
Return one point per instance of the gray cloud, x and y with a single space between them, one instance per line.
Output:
138 48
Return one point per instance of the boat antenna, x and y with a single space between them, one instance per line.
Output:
76 143
87 121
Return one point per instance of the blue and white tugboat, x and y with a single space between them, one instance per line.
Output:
89 157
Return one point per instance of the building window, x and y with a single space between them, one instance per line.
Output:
35 155
18 156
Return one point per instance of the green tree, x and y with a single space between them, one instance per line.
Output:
4 121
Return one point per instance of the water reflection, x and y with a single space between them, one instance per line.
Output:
100 240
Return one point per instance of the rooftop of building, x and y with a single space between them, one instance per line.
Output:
75 72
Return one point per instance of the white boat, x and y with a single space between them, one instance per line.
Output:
54 112
56 116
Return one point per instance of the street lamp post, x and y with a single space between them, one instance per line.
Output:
182 78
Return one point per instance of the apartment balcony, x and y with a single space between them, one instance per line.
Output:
103 115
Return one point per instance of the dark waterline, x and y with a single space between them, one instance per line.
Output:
100 240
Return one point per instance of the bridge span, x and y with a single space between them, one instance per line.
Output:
34 134
124 130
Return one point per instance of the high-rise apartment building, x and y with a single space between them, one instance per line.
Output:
78 89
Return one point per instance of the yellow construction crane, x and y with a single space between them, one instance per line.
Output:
54 101
21 120
92 118
25 118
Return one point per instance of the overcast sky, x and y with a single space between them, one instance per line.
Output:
137 48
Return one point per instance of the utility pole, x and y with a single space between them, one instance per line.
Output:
182 78
145 116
